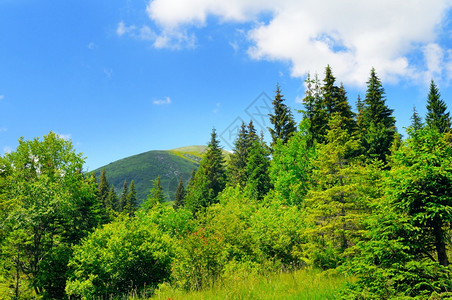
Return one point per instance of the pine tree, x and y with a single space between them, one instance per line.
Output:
332 201
131 200
314 111
237 164
283 123
416 121
112 199
239 158
103 190
335 101
257 170
123 198
180 195
155 195
436 110
210 178
378 124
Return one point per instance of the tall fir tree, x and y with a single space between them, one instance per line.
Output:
239 158
131 200
237 163
112 199
416 121
180 195
378 123
257 170
332 202
210 178
123 198
437 117
155 195
282 119
103 189
313 109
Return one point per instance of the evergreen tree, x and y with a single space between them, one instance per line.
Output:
378 124
123 198
237 164
314 111
416 121
332 202
284 125
210 178
180 195
257 170
112 199
131 200
155 195
103 190
436 110
239 158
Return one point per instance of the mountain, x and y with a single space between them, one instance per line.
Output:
170 165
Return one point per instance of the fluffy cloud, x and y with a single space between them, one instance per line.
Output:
2 97
166 100
352 36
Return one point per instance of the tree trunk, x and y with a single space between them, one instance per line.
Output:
440 244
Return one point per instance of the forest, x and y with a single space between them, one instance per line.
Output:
341 194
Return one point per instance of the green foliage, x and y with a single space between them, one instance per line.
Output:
145 167
334 204
210 178
404 250
436 117
131 200
180 195
49 205
155 196
125 255
290 167
377 125
282 120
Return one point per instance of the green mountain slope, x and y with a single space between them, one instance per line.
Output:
143 168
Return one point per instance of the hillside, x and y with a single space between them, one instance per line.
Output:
171 165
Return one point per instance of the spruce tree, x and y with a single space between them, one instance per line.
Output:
313 110
257 170
103 189
416 121
180 195
378 124
210 178
112 199
123 198
237 164
284 125
437 117
155 195
131 200
335 101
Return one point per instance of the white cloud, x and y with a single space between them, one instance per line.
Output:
352 36
92 46
2 97
164 101
7 149
108 72
66 136
123 29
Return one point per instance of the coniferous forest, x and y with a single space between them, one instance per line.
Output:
341 194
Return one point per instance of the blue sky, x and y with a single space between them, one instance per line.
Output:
123 77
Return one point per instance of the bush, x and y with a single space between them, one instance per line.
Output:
124 256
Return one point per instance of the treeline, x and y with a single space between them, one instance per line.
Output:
341 190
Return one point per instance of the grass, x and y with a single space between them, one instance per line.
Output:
302 284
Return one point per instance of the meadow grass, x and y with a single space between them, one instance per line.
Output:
301 284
